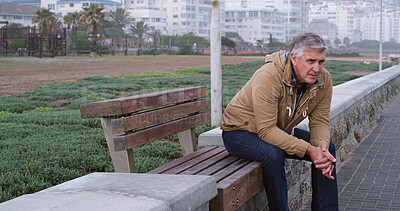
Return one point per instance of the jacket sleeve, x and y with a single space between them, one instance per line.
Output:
319 117
266 92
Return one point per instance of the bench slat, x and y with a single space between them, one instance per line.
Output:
230 169
145 119
194 161
206 164
153 133
126 105
219 166
179 161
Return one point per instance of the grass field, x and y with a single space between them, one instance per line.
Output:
44 141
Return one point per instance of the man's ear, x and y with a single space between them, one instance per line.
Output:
294 58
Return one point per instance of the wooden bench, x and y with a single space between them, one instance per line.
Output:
133 121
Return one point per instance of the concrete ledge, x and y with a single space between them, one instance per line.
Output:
211 138
122 191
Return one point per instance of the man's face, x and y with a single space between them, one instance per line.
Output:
308 66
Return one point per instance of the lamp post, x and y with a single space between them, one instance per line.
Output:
380 41
216 84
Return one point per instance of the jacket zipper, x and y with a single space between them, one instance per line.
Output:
308 96
294 105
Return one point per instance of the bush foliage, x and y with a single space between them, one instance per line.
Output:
44 141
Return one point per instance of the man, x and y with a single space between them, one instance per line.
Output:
259 122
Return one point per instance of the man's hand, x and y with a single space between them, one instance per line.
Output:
322 159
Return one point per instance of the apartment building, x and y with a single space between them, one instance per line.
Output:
289 19
63 7
336 13
176 17
296 17
256 24
327 31
151 12
13 13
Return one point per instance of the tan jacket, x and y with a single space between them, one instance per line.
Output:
265 106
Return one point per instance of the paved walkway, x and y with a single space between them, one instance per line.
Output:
370 179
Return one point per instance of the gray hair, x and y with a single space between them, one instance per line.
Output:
307 42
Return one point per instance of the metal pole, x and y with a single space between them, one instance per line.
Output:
216 83
380 42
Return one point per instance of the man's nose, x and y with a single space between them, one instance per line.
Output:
317 68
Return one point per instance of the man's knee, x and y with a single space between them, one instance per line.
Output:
274 156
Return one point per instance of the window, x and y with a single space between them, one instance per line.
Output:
51 6
85 4
62 5
71 4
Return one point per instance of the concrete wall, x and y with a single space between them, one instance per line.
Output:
355 107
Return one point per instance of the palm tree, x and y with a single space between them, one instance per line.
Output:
120 17
139 29
346 41
72 20
45 18
337 42
92 16
154 34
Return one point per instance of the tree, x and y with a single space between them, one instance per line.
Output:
346 41
45 18
139 29
170 40
328 42
72 20
154 34
120 17
14 25
92 16
270 41
234 36
337 42
228 43
259 43
186 41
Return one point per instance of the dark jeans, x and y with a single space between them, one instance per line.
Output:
249 145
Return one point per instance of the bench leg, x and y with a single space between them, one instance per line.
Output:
187 140
122 160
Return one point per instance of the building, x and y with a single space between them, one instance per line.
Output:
294 14
192 16
21 14
296 17
149 12
22 2
255 24
63 7
342 15
327 31
176 17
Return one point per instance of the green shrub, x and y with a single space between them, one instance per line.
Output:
17 105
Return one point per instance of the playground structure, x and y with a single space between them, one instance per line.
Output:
42 42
